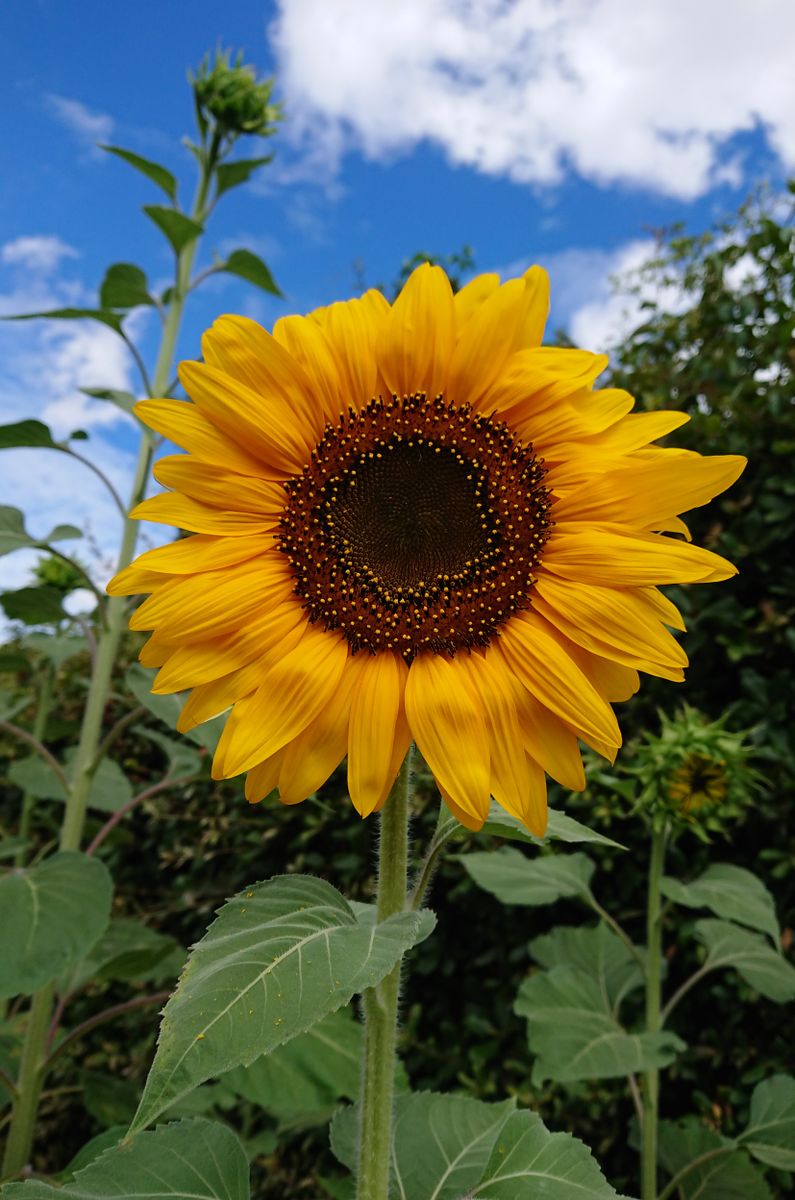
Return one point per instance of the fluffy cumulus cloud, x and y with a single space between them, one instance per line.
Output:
86 125
647 94
43 253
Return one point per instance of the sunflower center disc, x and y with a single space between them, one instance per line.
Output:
416 526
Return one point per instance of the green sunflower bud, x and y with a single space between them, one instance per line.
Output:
230 98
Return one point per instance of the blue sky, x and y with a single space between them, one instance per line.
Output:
557 131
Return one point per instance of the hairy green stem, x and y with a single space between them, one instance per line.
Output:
31 1067
381 1002
651 1078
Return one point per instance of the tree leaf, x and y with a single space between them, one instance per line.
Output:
124 286
111 319
560 827
230 175
123 400
574 1034
516 879
159 175
750 955
34 605
250 266
303 1080
440 1144
731 892
724 1176
770 1135
50 915
598 953
179 229
528 1162
278 958
185 1160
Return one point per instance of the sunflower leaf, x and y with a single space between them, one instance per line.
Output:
184 1160
50 916
574 1033
250 267
232 174
750 955
516 879
560 827
597 952
278 958
731 892
727 1174
159 175
124 286
770 1135
179 229
111 319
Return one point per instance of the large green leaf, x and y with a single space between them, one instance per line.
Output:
731 892
179 229
124 286
278 958
574 1034
250 267
528 1162
187 1160
110 788
50 915
440 1144
598 953
159 175
230 175
750 955
26 433
306 1077
560 827
770 1134
724 1173
516 879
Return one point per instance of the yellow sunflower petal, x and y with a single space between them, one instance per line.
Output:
309 346
646 490
135 581
170 508
400 749
534 380
614 623
242 349
416 346
510 783
467 819
219 487
547 739
295 689
449 727
542 665
183 424
319 749
354 327
262 779
264 424
469 298
376 701
202 552
212 602
484 343
617 557
535 308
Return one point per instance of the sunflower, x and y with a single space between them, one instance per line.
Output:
414 521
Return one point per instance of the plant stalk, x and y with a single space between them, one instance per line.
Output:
381 1002
651 1078
31 1074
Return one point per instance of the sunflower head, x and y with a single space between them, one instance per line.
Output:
415 521
696 773
229 97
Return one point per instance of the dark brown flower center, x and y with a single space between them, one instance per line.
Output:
416 526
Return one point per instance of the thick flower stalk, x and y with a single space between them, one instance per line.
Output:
415 522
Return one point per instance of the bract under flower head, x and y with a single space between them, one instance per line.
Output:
415 521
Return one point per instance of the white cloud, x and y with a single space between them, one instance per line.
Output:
42 253
88 126
644 94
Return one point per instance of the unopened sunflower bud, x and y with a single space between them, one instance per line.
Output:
229 97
